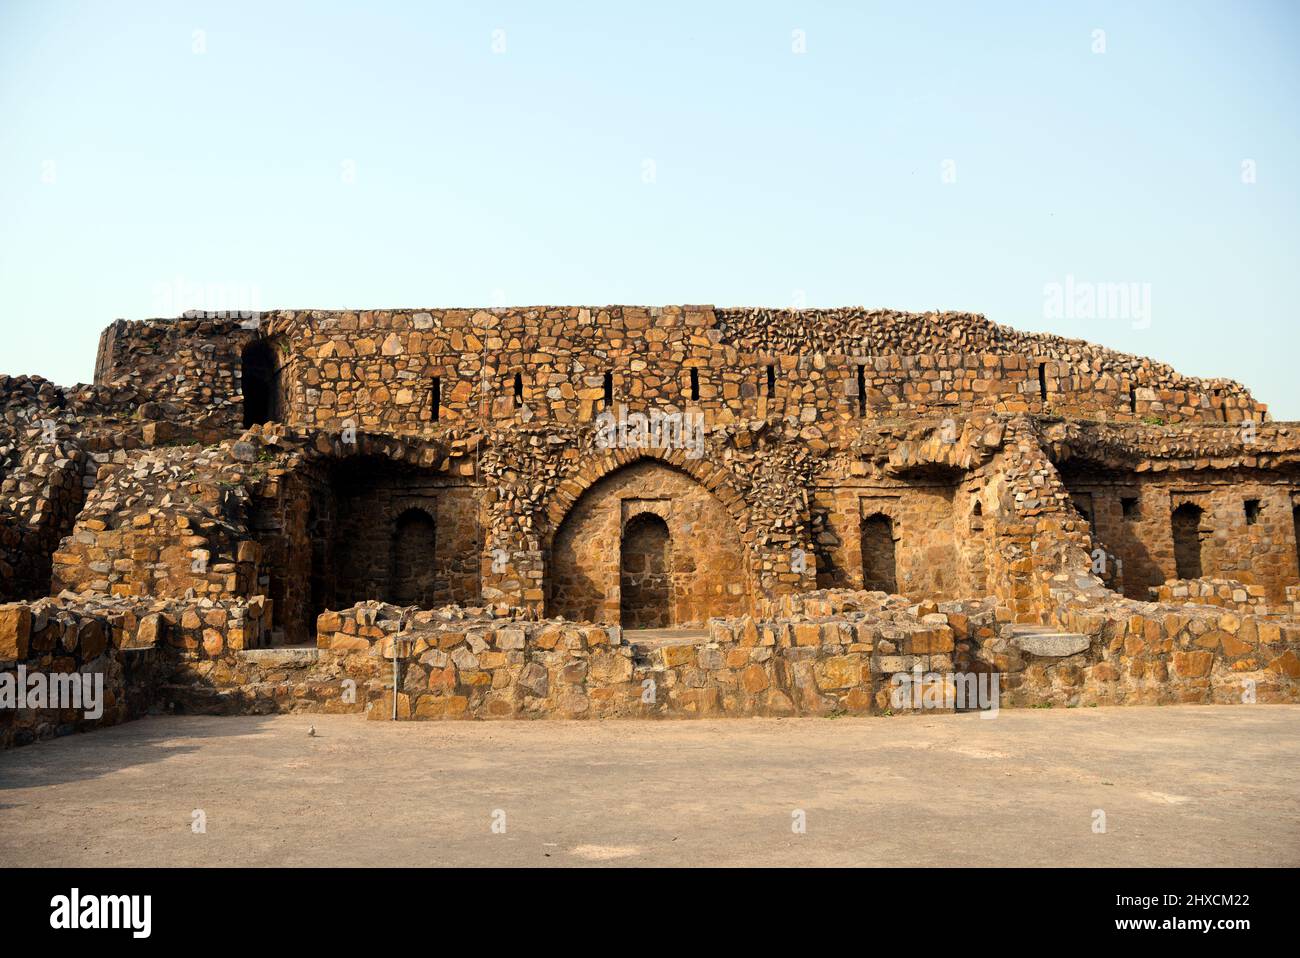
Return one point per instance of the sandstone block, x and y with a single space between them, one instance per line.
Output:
15 632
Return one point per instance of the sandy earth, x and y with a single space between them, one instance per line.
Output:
1190 785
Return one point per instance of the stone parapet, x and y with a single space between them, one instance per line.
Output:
1228 593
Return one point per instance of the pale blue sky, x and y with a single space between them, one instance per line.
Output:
130 163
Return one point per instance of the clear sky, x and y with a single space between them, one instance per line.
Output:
914 155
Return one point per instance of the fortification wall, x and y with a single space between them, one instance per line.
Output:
406 371
232 481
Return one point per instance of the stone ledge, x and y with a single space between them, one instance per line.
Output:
282 658
1047 642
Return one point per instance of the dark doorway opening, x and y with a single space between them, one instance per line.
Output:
1187 541
645 574
260 378
415 538
879 568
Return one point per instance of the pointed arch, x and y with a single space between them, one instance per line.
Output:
713 478
669 518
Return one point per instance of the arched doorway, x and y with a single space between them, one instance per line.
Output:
1187 541
645 574
260 379
707 565
412 578
879 570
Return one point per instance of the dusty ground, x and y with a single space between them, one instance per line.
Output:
1179 786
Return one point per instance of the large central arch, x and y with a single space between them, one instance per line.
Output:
659 510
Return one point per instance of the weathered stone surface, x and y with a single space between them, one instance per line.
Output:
1051 644
15 632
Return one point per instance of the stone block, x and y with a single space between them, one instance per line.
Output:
15 632
1051 644
675 655
838 672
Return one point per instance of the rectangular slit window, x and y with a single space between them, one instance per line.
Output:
1042 381
1223 407
1129 505
519 389
1132 399
435 397
609 389
1252 511
771 382
695 384
862 389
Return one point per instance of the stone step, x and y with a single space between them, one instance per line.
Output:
284 657
1047 641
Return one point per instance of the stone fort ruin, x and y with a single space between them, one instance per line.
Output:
626 511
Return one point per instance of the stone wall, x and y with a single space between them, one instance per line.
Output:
42 490
822 653
1226 593
193 364
383 370
457 666
1148 653
131 644
1246 530
927 520
165 522
963 361
232 480
44 646
963 499
369 499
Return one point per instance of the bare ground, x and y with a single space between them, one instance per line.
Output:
1191 786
